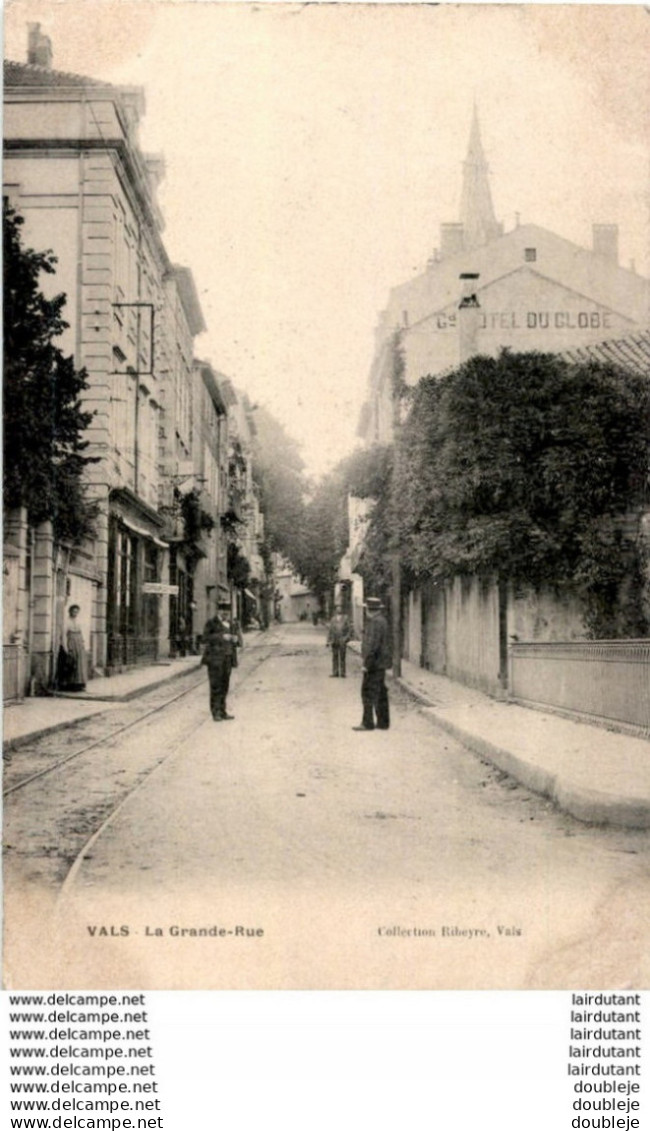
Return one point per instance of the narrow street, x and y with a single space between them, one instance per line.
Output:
328 858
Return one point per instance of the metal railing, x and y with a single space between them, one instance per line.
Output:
607 680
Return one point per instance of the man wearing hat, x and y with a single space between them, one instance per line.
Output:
376 656
338 635
218 647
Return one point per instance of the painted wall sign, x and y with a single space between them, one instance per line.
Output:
531 320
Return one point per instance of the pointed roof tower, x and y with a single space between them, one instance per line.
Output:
476 207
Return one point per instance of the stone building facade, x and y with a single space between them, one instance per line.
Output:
246 525
534 290
76 173
211 467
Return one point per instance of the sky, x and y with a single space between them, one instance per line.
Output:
313 150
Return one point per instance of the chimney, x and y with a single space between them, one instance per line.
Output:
452 240
39 47
468 316
605 241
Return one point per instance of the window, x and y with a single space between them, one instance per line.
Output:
150 562
530 254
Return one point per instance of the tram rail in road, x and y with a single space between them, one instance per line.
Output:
55 806
111 724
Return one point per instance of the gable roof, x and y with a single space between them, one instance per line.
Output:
558 259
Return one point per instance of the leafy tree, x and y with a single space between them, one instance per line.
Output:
521 467
278 471
238 566
196 521
368 474
266 555
43 419
400 390
325 535
371 474
367 471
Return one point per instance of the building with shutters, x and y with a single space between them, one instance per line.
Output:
75 171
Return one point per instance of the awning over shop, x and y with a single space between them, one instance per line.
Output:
141 530
136 514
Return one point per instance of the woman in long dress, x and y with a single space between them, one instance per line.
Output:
74 645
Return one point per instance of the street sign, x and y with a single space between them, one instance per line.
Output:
160 588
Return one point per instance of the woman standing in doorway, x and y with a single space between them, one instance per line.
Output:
74 646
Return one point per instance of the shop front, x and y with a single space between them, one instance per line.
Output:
137 558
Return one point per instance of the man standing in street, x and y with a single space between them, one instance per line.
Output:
337 638
376 657
218 647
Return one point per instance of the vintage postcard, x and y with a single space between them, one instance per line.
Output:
326 645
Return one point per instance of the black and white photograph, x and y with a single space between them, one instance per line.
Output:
326 544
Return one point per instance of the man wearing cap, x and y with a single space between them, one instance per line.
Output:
218 647
338 635
376 656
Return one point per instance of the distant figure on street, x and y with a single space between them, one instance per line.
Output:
338 635
218 649
75 667
376 657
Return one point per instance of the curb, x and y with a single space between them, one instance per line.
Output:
12 744
587 805
416 692
600 809
128 695
22 740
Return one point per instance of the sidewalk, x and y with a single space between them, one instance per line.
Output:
44 714
592 773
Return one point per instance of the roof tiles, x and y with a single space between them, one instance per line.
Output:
28 74
633 353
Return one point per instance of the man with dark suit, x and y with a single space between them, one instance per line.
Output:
376 656
338 636
218 648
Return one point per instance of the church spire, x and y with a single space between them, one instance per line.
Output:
476 208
